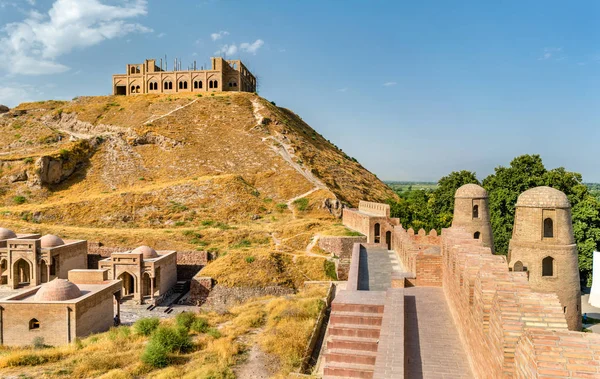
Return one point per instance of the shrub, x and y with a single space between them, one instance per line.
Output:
28 160
173 339
38 342
301 204
266 121
200 325
213 332
281 207
250 259
329 268
207 222
243 243
185 319
155 355
19 199
146 326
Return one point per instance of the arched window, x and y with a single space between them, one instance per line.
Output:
170 85
216 84
132 89
518 266
184 85
200 84
548 266
137 89
234 84
377 233
180 85
34 324
476 235
195 84
210 84
133 70
548 228
475 211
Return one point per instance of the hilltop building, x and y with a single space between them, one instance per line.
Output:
30 259
147 275
61 310
147 77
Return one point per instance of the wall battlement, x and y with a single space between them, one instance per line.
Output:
376 209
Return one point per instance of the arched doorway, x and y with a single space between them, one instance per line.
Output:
21 273
518 266
128 283
388 239
146 281
43 272
377 233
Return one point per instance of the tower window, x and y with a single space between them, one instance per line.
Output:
548 228
34 324
548 266
475 211
518 266
476 235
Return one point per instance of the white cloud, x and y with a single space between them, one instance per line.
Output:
227 50
550 52
389 84
252 47
32 46
161 35
14 94
219 35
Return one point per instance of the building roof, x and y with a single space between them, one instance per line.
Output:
50 240
543 197
147 252
469 191
6 234
57 290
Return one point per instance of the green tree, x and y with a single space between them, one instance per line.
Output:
443 196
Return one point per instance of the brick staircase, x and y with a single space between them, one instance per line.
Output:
354 328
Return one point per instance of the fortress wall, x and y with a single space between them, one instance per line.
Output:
375 209
352 219
494 309
419 254
342 248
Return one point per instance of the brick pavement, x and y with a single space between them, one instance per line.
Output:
376 267
432 346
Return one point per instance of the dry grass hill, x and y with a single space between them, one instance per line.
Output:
229 172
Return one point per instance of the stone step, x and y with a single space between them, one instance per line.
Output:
352 343
347 370
353 330
351 356
356 318
361 308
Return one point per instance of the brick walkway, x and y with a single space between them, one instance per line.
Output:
432 346
376 266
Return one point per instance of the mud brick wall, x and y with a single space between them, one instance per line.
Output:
428 270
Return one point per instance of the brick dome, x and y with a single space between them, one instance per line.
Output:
57 290
6 234
50 240
147 251
543 197
471 191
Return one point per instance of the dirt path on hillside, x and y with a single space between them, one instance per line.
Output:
258 364
151 120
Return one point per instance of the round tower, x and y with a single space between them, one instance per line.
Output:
472 213
543 245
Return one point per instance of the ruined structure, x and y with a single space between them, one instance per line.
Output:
543 247
30 259
472 213
147 275
61 310
147 77
451 308
373 220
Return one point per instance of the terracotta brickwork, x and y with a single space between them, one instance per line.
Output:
472 213
378 228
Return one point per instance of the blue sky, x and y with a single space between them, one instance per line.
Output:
413 90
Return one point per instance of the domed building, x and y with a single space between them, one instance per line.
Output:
147 275
32 259
543 245
472 213
61 310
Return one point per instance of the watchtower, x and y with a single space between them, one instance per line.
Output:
543 245
472 213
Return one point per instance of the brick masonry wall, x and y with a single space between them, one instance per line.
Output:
428 270
496 310
342 248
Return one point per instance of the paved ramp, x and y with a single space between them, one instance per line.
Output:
375 268
432 346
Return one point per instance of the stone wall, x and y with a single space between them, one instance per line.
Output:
375 209
342 248
200 288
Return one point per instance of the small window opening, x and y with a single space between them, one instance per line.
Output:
34 324
548 266
548 228
476 235
475 211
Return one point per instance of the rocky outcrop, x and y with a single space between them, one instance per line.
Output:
334 206
4 109
53 169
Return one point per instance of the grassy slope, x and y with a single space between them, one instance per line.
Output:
204 177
